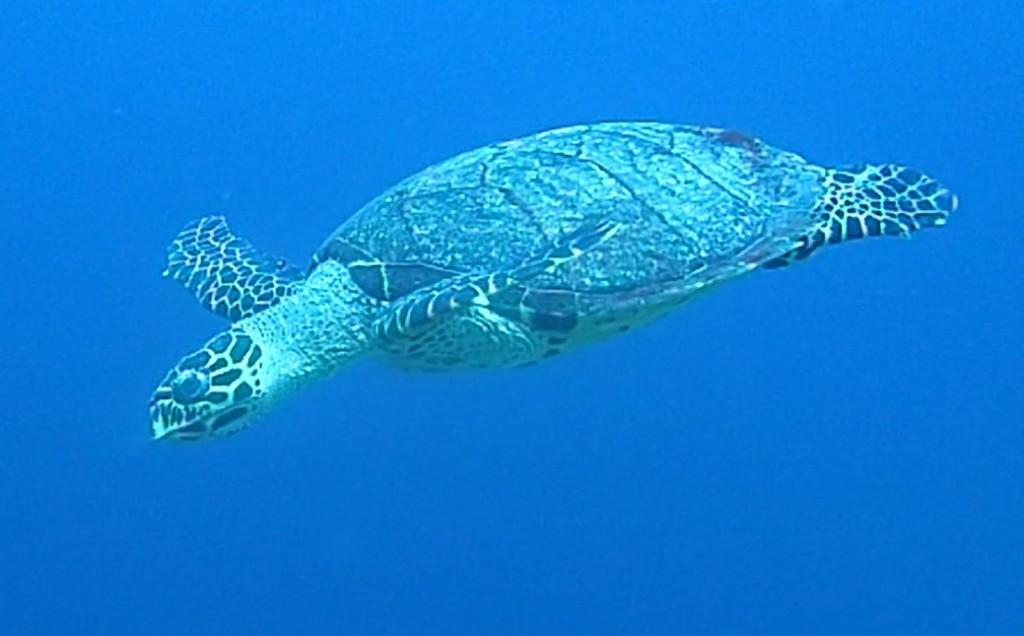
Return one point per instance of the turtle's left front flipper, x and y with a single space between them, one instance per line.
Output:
418 310
225 273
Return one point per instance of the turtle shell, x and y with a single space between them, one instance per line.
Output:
684 196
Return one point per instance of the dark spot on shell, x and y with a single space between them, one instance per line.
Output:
738 139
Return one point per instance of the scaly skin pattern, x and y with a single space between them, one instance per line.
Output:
239 374
225 273
872 200
319 327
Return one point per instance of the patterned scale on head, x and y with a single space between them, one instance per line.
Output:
225 369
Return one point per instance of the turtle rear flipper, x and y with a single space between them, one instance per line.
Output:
225 273
872 200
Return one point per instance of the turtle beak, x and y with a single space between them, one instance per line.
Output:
190 432
169 420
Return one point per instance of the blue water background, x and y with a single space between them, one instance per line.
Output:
833 448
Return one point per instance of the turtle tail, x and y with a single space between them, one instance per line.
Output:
872 200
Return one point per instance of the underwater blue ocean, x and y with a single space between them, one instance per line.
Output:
835 447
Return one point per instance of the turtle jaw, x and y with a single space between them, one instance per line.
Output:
213 392
243 372
171 421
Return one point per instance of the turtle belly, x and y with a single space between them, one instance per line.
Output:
486 339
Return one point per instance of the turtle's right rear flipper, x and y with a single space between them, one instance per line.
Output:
872 200
225 273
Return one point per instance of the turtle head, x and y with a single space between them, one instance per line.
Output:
212 392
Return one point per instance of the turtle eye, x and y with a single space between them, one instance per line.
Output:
190 386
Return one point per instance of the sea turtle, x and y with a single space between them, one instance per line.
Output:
514 252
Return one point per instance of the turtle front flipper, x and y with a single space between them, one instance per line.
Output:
419 309
225 273
872 200
468 321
